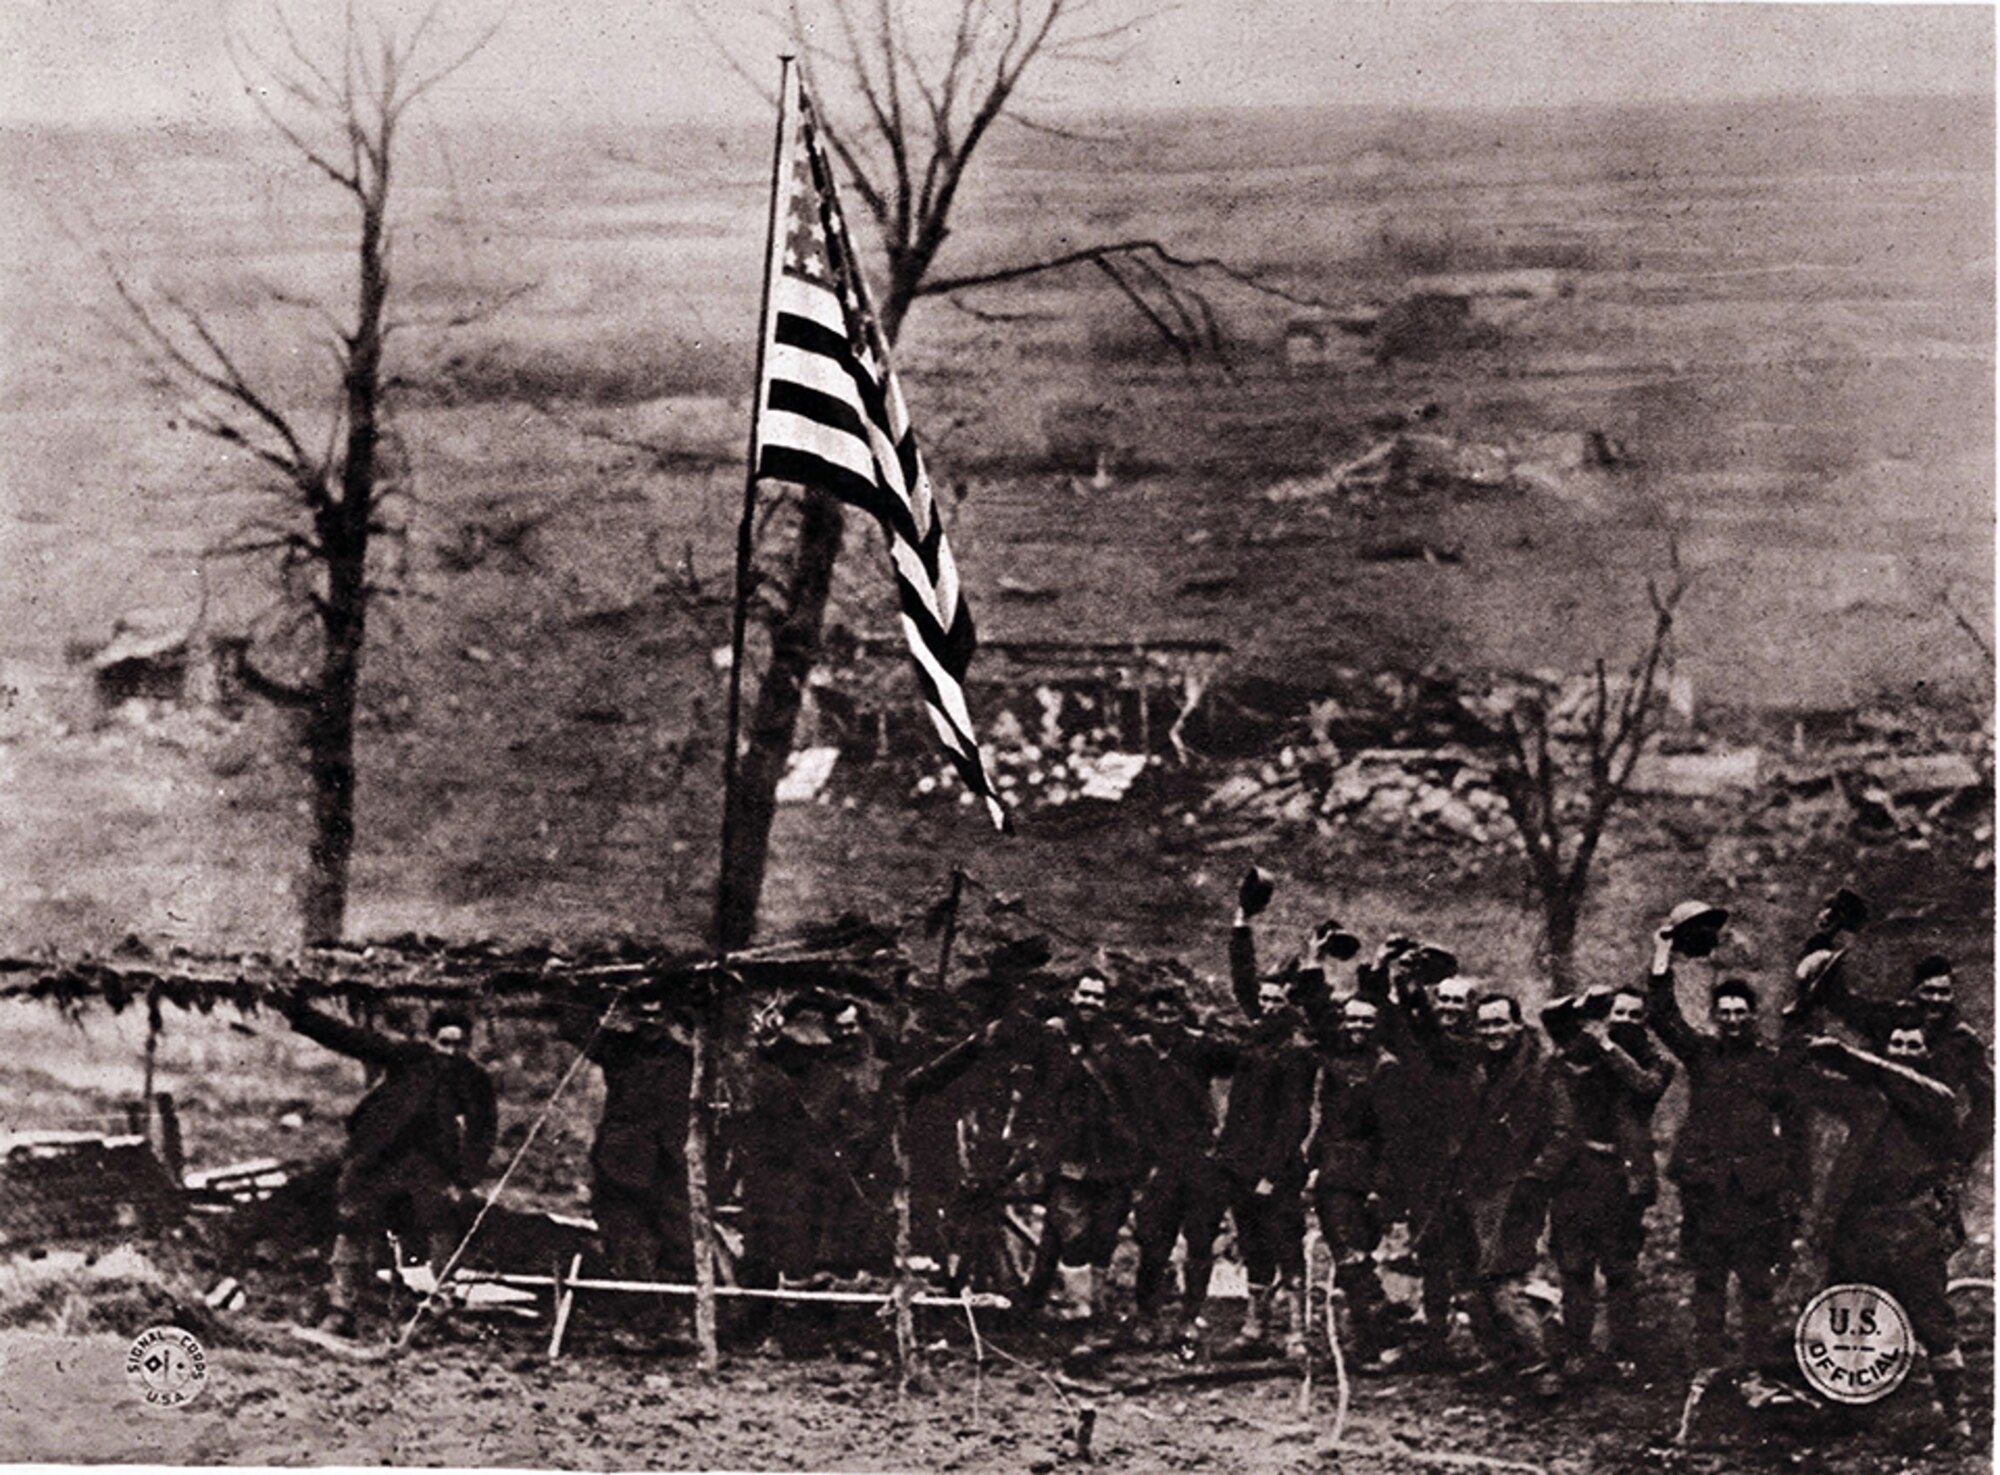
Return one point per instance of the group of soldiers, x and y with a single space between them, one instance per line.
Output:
1372 1092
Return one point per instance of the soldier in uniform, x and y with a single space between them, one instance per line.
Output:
1616 1074
1184 1198
1263 1131
417 1141
1347 1160
801 1145
1958 1057
638 1164
1522 1138
1089 1092
1892 1200
1740 1161
1427 1111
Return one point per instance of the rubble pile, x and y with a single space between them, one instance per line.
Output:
1444 793
1407 463
1885 796
1071 751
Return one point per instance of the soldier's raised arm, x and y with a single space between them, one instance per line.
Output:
1662 1004
1646 1082
353 1040
1253 894
1921 1097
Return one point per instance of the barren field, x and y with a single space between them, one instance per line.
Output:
1783 314
1780 315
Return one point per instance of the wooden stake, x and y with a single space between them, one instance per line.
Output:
701 1218
153 1026
906 1325
983 1300
565 1301
899 1146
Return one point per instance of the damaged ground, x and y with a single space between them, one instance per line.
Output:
479 1393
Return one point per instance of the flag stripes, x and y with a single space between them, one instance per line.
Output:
831 415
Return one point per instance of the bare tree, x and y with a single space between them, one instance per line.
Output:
1564 762
906 97
332 467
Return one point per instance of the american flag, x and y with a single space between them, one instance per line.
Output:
831 415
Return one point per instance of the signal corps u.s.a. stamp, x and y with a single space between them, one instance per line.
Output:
1854 1343
166 1366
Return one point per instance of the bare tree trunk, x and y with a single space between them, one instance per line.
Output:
1561 912
795 642
344 527
341 117
330 753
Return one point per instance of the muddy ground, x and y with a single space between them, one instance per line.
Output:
498 1401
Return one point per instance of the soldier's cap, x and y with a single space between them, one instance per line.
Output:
1844 911
1812 972
1333 940
1694 927
1937 965
1427 963
1689 912
1394 947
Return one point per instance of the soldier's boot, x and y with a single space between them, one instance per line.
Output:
1948 1381
1621 1315
1080 1287
1150 1318
1579 1318
1042 1273
1195 1276
1432 1348
343 1292
1296 1313
1523 1332
1149 1286
1256 1317
1367 1321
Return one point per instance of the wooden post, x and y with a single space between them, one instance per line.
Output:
153 1026
906 1325
565 1300
701 1218
906 1334
172 1152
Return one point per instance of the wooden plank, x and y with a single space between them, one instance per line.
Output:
984 1301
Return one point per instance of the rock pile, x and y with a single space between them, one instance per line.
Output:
1443 792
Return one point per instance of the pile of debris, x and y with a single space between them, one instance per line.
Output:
1408 463
1444 793
1907 799
58 1187
1074 754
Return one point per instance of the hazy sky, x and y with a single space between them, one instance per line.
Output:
163 60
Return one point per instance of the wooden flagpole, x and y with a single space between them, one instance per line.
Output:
708 1013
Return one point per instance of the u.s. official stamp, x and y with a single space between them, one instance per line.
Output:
166 1366
1854 1343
